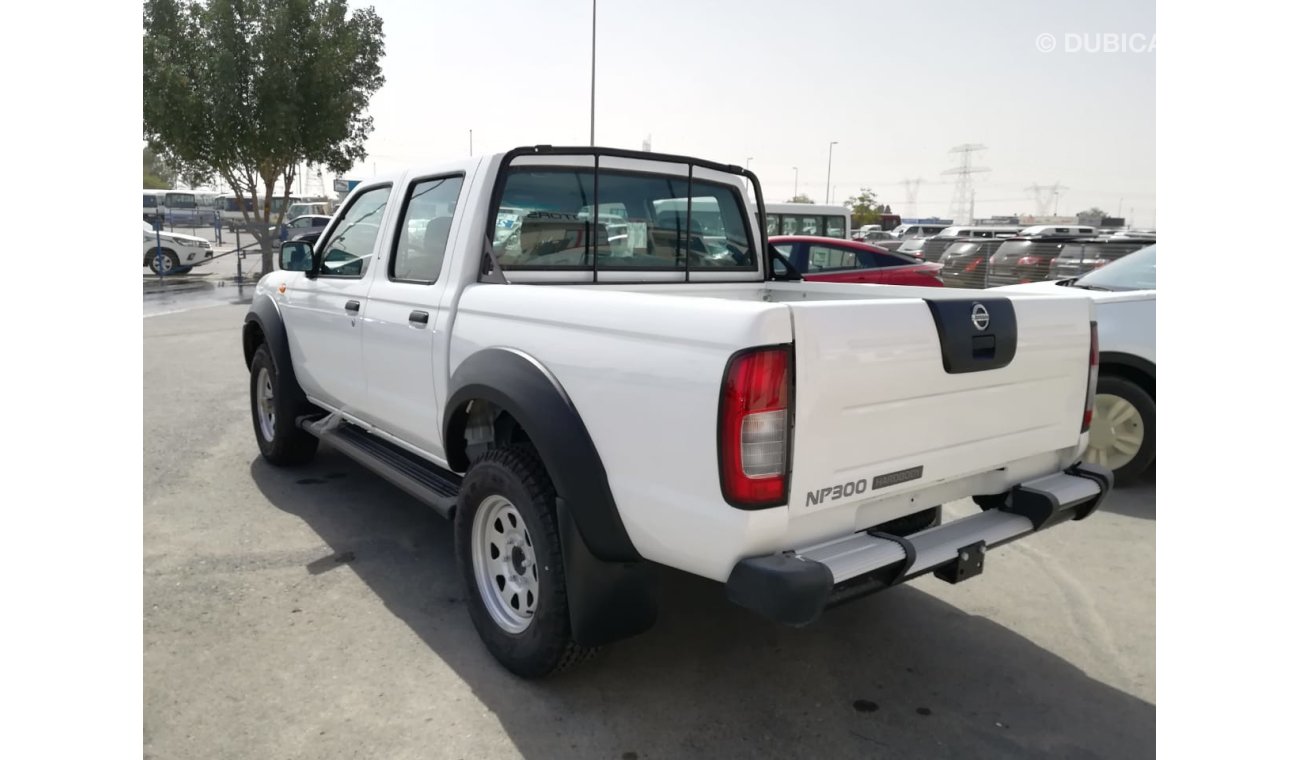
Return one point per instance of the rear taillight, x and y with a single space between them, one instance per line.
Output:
1094 364
754 427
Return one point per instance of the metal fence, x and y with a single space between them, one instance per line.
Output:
182 248
980 264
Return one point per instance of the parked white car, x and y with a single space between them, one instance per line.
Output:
172 252
1123 436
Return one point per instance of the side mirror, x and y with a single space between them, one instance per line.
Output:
295 256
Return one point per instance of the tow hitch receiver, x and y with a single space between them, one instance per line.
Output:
968 564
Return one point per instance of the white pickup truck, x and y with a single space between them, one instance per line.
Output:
621 379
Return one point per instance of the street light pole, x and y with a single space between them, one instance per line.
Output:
830 153
796 182
593 73
471 142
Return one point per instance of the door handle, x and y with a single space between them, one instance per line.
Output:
419 318
352 306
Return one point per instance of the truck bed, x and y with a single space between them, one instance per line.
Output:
881 428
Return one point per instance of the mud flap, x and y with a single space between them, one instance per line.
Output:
608 601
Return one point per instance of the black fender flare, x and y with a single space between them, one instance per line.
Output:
520 385
264 317
611 591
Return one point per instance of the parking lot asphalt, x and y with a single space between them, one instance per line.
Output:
316 613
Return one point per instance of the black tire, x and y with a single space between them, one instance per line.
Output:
545 647
1114 385
173 261
288 444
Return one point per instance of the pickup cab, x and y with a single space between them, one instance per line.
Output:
588 360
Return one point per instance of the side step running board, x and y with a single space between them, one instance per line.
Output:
423 480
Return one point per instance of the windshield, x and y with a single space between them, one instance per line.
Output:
1136 271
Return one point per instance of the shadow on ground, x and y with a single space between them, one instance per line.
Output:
900 674
1136 500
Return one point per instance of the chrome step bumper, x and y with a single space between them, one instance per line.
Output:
795 586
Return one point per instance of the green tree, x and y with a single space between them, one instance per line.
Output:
250 89
157 175
864 208
1094 211
800 198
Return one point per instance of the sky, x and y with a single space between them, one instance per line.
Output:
896 85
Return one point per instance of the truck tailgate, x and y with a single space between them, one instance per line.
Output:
897 394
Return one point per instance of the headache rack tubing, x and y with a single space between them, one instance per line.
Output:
498 188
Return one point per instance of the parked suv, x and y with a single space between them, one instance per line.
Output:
297 226
172 252
935 246
1028 256
964 261
904 231
1080 257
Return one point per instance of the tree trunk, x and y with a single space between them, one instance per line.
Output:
268 256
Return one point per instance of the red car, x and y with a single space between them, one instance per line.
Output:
822 259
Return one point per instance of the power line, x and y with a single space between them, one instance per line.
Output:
963 195
911 187
1046 196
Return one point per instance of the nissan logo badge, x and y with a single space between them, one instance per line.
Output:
979 316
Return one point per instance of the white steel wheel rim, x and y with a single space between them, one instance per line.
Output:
265 405
1116 434
505 563
163 263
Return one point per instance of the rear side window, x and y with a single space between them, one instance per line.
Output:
547 220
425 226
835 226
876 259
823 258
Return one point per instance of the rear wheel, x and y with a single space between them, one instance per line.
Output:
508 550
1122 437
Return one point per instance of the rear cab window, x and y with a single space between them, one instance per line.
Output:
576 220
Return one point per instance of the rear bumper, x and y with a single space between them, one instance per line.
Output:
794 587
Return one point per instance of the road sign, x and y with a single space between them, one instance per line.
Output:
341 186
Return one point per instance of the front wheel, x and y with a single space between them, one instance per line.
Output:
164 263
508 551
1123 433
280 439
